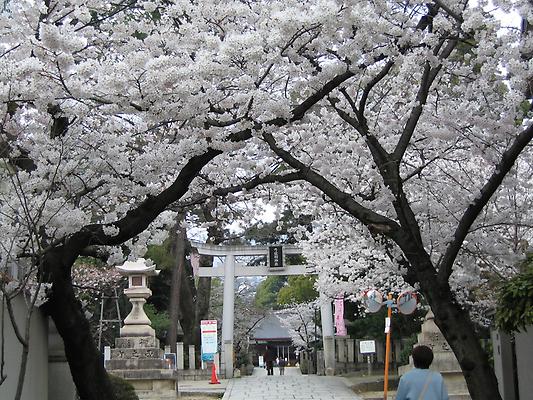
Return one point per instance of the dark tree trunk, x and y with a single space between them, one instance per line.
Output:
85 361
203 294
459 331
187 304
457 327
177 250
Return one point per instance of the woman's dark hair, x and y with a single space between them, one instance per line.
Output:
422 356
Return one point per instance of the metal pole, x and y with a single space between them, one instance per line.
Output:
315 363
387 347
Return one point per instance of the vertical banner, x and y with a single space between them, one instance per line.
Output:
208 330
339 317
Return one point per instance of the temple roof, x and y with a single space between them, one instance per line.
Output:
270 328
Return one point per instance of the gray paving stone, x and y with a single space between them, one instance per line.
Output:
291 386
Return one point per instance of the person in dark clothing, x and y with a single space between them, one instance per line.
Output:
268 356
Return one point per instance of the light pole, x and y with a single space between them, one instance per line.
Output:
406 303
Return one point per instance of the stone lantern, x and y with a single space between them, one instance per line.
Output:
137 322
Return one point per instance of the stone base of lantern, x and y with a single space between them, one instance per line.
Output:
131 331
139 360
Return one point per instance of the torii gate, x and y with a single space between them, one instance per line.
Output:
276 266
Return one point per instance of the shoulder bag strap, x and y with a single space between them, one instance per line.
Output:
426 385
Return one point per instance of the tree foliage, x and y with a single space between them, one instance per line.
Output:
122 389
160 320
299 289
266 295
371 325
515 301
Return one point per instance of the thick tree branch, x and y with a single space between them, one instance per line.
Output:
449 11
138 219
474 209
428 77
344 200
249 185
368 88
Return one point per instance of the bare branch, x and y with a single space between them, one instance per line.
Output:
344 200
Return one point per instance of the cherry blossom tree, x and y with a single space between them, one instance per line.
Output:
411 166
109 112
299 319
399 122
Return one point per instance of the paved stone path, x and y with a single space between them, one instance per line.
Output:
291 386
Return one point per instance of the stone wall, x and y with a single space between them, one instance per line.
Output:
36 379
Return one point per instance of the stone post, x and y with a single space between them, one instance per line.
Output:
217 362
192 357
341 348
180 363
350 345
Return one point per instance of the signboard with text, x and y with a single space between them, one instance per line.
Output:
208 330
367 346
275 257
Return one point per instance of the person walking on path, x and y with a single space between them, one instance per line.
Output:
281 365
420 383
269 360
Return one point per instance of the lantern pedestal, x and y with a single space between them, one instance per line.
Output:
137 356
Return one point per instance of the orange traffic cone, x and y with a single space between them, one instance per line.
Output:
214 379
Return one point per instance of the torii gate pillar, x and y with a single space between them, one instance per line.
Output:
328 335
228 307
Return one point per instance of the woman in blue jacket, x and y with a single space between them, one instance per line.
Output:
420 383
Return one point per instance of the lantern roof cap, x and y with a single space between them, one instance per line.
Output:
139 266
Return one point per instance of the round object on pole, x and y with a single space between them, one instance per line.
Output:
373 300
407 302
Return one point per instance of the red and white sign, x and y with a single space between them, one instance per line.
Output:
208 330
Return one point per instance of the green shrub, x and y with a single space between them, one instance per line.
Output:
122 389
515 301
406 352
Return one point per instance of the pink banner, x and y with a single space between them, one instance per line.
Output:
339 317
